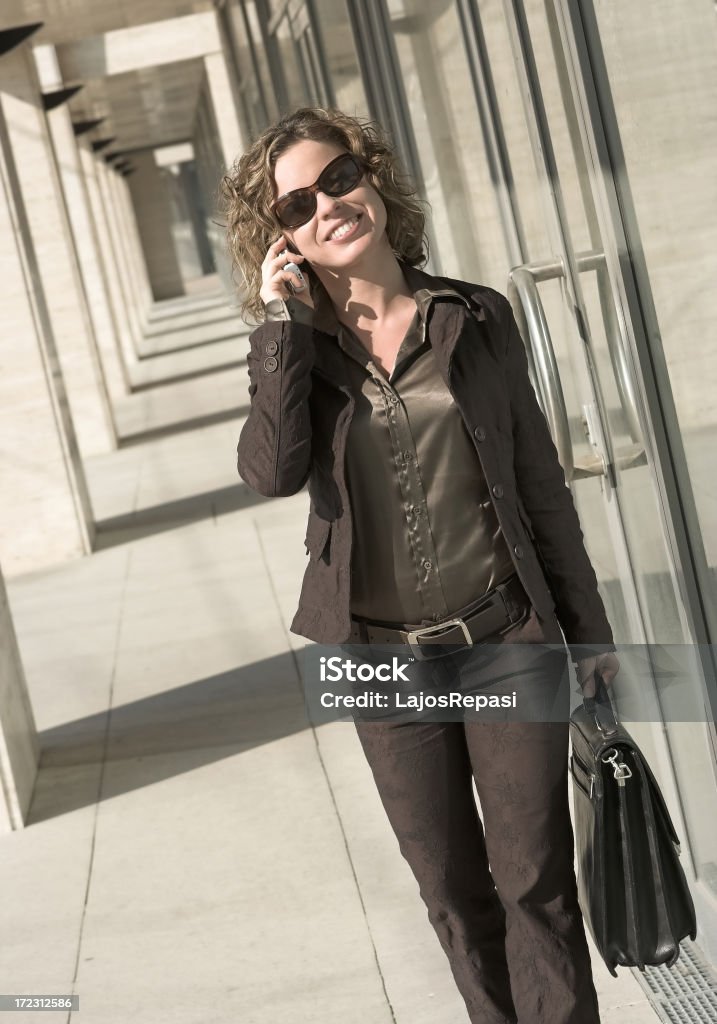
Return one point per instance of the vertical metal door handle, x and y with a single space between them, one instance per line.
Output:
528 307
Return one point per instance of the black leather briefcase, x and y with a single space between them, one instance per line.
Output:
631 885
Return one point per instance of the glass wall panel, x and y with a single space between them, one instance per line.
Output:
334 28
261 58
543 245
625 534
244 62
662 74
181 223
663 78
445 122
296 85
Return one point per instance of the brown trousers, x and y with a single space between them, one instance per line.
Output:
501 893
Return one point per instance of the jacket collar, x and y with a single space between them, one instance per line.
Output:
446 310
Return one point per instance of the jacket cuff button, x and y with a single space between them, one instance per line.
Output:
270 364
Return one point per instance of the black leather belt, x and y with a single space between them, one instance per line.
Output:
495 613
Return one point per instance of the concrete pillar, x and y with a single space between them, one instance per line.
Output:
123 257
133 245
19 747
219 127
61 281
83 231
125 333
195 206
153 214
45 515
226 114
208 162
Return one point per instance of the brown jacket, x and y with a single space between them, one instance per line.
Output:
301 408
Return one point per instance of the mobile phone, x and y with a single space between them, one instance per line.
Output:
293 269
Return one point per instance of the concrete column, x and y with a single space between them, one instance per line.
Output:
224 102
123 257
152 210
84 233
211 159
133 245
45 517
61 281
226 114
19 747
111 180
195 206
127 341
208 162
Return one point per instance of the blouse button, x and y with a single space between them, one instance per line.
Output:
427 565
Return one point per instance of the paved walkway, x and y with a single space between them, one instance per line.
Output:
195 852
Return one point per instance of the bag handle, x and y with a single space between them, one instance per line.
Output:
601 709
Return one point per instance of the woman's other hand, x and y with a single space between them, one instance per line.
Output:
606 665
275 277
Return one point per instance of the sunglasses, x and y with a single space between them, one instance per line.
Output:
338 177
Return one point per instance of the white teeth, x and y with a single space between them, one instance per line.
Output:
346 226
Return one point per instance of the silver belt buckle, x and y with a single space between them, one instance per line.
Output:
418 651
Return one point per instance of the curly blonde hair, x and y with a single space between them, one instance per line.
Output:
248 190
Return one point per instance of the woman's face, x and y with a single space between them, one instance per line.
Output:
300 166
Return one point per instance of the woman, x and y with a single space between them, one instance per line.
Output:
439 519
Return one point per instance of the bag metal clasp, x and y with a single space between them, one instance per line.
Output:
622 771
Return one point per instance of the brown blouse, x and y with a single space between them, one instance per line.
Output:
427 542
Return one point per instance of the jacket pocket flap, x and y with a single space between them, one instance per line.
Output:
317 534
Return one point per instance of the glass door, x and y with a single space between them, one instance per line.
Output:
581 313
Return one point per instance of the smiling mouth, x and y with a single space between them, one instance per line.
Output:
344 233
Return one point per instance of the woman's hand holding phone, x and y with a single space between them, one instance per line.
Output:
281 276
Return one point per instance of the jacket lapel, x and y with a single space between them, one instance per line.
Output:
448 325
452 316
329 360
